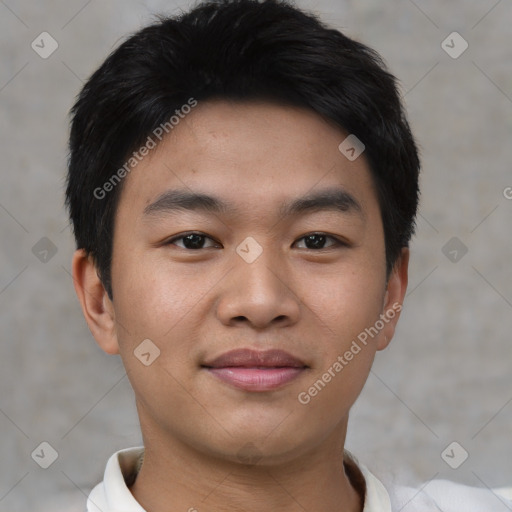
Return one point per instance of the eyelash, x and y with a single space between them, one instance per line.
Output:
338 242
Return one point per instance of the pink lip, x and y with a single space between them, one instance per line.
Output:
249 358
253 370
256 379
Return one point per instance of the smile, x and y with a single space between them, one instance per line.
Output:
254 370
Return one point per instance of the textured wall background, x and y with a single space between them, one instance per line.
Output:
446 376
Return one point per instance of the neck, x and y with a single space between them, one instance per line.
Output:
318 480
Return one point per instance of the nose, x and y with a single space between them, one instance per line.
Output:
260 294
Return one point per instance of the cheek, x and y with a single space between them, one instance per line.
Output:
154 304
152 297
345 306
348 300
158 302
343 312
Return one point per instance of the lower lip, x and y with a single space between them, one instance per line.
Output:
256 379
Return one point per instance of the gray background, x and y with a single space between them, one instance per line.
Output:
446 375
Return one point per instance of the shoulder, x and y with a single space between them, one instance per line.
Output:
450 497
431 496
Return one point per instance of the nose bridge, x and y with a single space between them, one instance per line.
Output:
258 289
260 267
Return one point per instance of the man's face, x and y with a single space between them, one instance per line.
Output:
307 281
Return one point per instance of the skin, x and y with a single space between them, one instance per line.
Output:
192 305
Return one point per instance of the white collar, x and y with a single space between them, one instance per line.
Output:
113 494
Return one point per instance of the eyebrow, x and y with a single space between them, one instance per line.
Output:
176 200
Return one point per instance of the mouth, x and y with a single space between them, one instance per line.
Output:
253 370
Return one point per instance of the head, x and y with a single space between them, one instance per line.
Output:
241 110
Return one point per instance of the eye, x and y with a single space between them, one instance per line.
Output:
317 241
191 241
196 241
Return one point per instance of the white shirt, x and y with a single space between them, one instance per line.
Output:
113 494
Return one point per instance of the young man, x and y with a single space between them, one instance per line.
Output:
243 185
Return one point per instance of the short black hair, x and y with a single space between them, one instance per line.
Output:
238 50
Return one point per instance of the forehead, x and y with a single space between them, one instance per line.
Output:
253 155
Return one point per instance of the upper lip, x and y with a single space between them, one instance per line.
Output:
249 358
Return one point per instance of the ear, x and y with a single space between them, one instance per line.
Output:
97 308
393 298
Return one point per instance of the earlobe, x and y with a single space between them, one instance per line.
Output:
96 306
394 297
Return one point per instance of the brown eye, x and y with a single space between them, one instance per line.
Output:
192 241
317 241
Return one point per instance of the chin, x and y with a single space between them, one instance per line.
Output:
263 450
